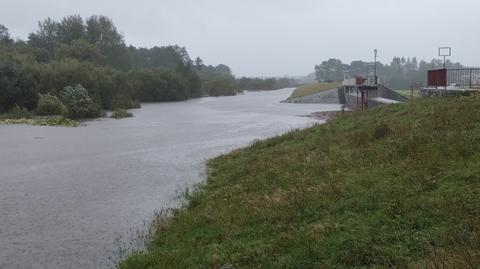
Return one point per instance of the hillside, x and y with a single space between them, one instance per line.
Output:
310 89
396 186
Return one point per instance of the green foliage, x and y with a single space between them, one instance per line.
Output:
43 122
18 113
157 85
17 82
91 52
124 102
121 113
50 105
265 84
4 35
220 86
82 51
392 187
79 104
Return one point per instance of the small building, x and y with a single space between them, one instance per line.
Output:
451 81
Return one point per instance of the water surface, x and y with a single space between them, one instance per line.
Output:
67 193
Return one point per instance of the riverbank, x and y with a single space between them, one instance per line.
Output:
120 172
49 121
394 186
319 93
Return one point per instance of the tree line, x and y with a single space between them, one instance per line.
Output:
89 56
401 73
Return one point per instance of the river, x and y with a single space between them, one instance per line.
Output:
66 194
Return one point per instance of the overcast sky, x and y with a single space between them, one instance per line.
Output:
276 37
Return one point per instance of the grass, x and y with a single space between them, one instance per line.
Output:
120 113
312 89
408 93
61 122
392 187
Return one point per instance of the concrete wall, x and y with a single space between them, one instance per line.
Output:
385 92
325 97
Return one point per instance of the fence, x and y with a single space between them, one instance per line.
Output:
466 77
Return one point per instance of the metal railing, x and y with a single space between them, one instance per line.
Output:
465 77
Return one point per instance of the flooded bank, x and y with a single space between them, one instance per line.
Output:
67 193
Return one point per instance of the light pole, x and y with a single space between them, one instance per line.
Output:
375 67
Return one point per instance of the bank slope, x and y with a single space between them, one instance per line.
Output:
310 89
397 186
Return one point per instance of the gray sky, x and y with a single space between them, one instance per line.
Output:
282 37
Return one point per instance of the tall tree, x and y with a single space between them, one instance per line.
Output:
4 35
198 63
46 36
101 32
71 28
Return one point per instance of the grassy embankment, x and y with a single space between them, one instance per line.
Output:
312 89
393 187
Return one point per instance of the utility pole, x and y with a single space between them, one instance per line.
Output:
375 67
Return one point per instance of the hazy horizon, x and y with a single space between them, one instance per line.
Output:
274 38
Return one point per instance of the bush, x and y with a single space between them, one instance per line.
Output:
121 113
124 102
79 104
19 113
50 105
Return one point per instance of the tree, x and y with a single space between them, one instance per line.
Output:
4 35
79 104
198 63
331 70
82 51
18 81
219 86
46 36
101 32
71 28
183 54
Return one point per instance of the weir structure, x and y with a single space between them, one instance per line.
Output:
364 92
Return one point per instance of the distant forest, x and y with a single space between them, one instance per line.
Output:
401 73
88 58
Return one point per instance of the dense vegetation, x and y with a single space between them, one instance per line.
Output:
393 187
92 54
121 113
401 73
266 84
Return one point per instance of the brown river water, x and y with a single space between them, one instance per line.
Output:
67 194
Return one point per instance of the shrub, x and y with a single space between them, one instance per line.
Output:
50 105
121 113
124 102
19 113
79 104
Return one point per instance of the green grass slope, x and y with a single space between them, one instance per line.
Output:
312 89
393 187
